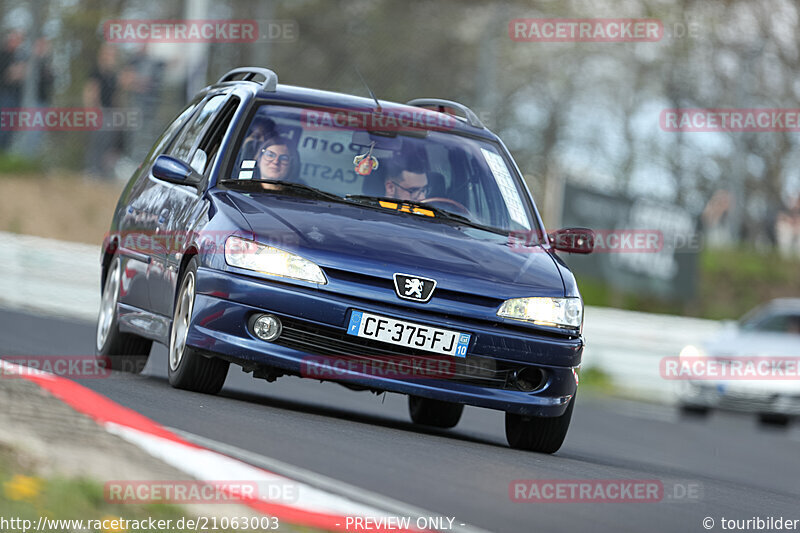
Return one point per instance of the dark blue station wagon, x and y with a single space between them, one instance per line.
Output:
300 232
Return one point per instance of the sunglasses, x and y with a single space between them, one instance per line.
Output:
269 155
414 191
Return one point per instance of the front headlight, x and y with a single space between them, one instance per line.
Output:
268 260
555 312
692 352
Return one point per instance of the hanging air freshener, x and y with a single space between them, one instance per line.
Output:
366 163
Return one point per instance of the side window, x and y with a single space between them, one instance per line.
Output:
208 149
439 178
478 202
183 149
172 130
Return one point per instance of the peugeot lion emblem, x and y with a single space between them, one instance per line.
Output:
414 288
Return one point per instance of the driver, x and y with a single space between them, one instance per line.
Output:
406 179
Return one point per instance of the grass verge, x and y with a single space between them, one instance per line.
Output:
25 496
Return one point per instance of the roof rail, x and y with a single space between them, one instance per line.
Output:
270 78
442 105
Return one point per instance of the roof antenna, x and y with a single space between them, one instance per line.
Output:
372 94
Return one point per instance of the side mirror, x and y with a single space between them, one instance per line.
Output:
573 240
175 171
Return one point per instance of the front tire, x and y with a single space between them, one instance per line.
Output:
538 434
434 413
119 351
186 367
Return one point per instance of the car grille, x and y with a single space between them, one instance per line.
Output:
387 284
324 341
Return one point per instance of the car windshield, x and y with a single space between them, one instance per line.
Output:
428 172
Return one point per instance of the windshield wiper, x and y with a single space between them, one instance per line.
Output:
440 213
297 187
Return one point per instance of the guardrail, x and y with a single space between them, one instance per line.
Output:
63 279
629 346
49 276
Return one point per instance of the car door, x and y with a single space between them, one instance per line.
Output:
136 221
180 207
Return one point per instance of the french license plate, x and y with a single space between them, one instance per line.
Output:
408 334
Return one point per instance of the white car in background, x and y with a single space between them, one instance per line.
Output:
769 332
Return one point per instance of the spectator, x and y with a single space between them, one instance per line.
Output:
29 143
42 52
716 220
100 91
142 79
787 230
13 68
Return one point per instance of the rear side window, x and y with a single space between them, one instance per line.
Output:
172 130
183 149
207 151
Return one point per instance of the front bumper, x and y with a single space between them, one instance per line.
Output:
225 302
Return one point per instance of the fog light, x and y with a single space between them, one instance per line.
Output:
527 379
267 327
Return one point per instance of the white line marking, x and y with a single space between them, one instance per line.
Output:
208 465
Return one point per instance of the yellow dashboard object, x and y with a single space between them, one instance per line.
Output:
406 208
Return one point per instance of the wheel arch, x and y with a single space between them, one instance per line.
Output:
191 251
110 247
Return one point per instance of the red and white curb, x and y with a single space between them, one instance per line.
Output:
308 505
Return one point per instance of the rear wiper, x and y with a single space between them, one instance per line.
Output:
440 213
298 187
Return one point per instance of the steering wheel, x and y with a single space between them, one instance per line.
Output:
447 201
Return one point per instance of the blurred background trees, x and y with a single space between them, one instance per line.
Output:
580 113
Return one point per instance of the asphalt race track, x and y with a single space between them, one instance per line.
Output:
742 470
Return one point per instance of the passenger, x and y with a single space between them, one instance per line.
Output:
260 130
277 159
